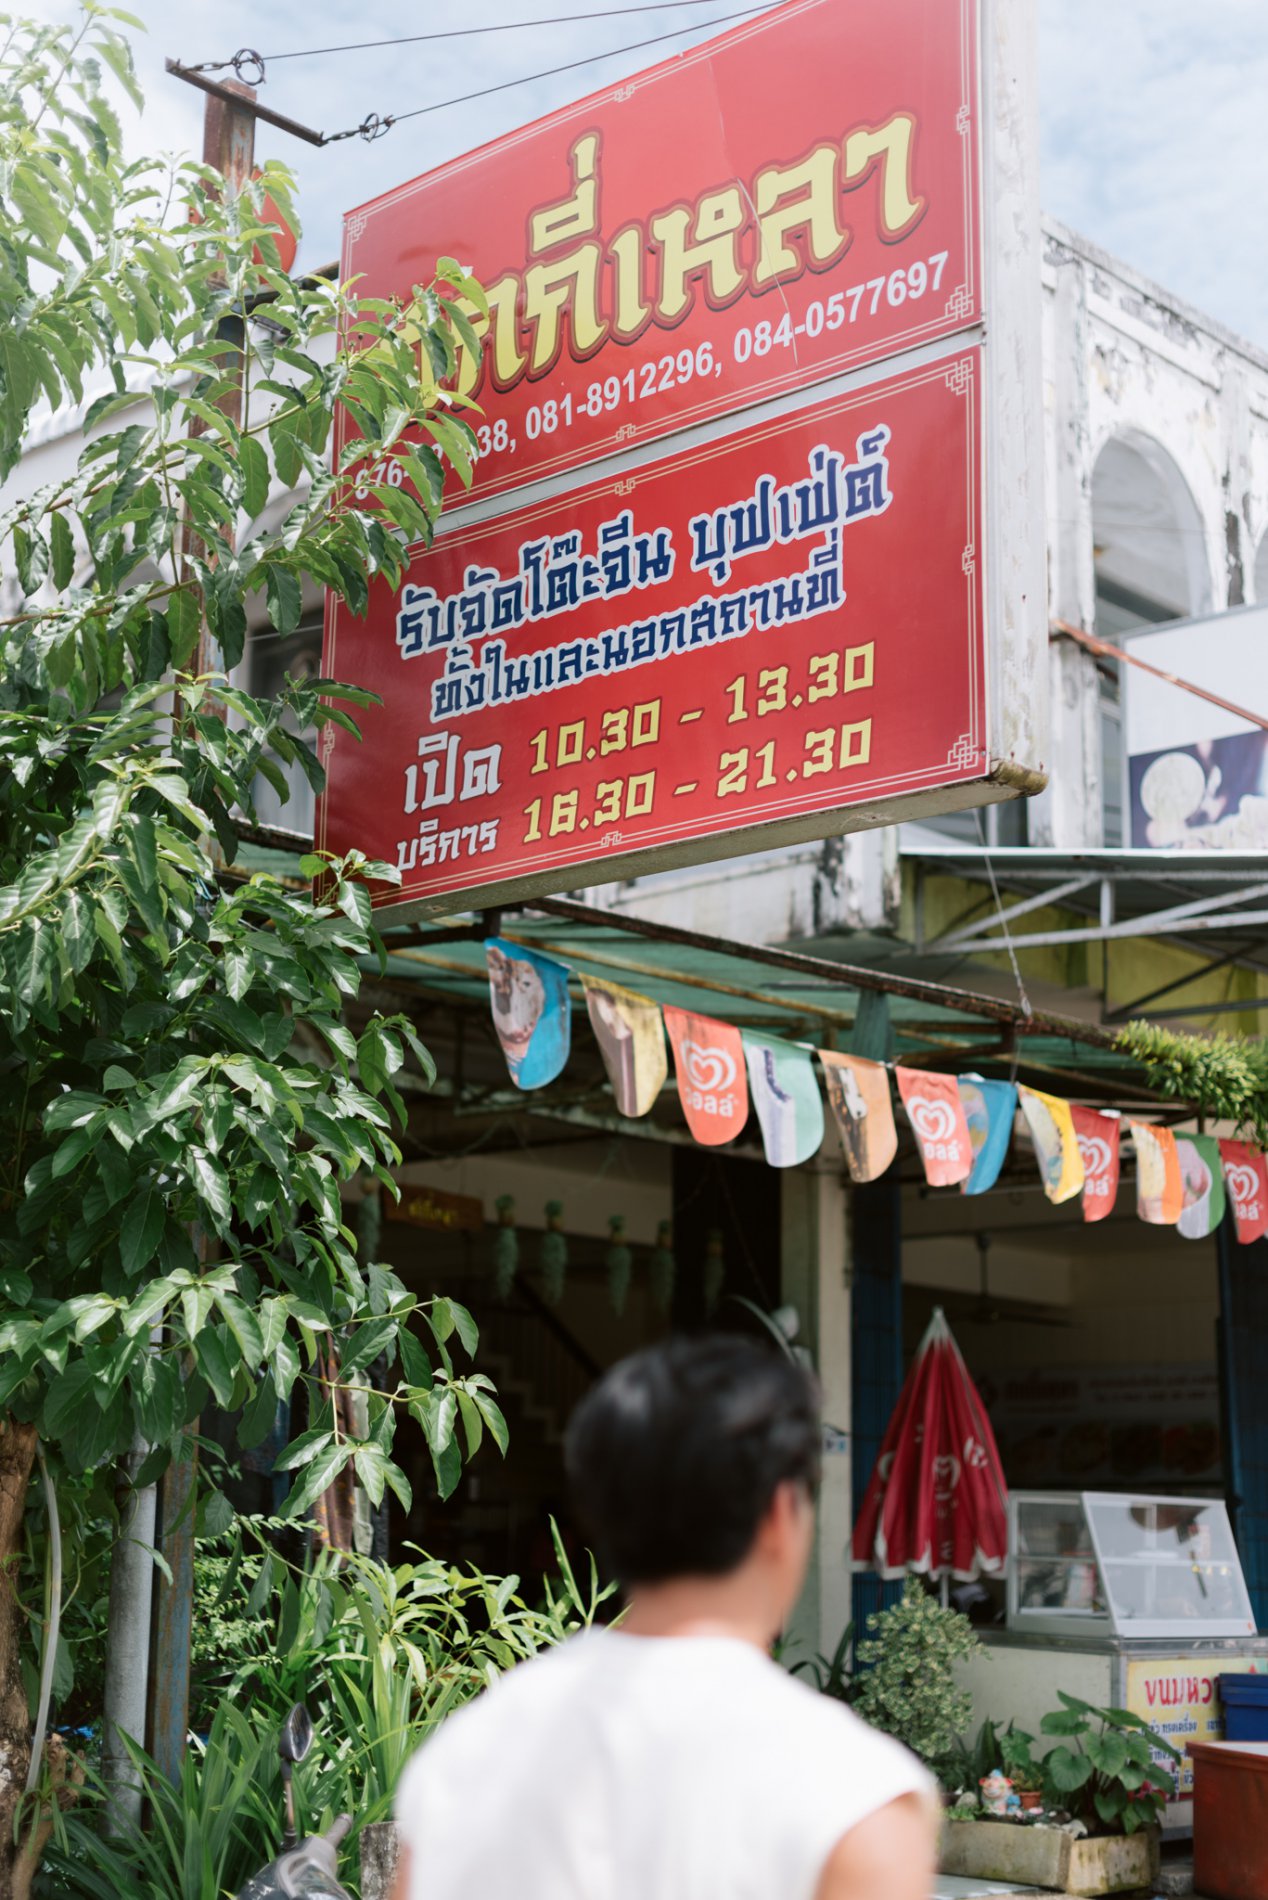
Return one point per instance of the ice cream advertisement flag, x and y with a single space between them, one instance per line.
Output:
1097 1136
989 1108
1159 1189
1051 1126
785 1093
1201 1185
709 1059
631 1039
858 1093
938 1121
1246 1178
532 1013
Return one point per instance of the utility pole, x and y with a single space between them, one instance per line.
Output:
229 147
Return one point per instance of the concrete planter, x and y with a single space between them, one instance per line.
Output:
378 1860
1039 1856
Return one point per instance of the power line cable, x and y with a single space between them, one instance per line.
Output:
256 63
373 127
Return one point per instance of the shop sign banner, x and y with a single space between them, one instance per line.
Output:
742 643
1052 1130
754 215
1202 1185
1246 1178
938 1122
532 1013
1097 1136
989 1109
631 1039
858 1094
1179 1698
784 1090
709 1060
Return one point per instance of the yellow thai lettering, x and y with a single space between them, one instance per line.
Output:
569 283
506 360
798 198
889 148
576 216
630 308
713 250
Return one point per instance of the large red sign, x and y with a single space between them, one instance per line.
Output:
745 636
753 216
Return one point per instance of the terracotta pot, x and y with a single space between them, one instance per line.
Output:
1030 1798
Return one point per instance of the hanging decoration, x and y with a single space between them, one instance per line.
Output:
1246 1178
938 1122
989 1109
532 1013
620 1263
554 1253
962 1125
631 1039
714 1271
858 1094
1159 1189
1201 1186
1097 1136
506 1247
785 1093
662 1268
709 1059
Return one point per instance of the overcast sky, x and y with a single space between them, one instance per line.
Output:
1152 110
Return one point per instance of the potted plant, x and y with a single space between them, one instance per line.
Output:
1025 1773
1102 1775
905 1682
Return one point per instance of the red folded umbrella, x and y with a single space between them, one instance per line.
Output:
936 1502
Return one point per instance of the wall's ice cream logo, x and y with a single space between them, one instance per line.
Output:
939 1124
1246 1178
709 1060
710 1071
1097 1138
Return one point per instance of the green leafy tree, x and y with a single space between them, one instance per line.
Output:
906 1682
182 1088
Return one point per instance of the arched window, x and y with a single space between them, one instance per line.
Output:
1149 549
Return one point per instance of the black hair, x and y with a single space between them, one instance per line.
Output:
675 1455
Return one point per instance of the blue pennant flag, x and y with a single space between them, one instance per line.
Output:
989 1108
531 1011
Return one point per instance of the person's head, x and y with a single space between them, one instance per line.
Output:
695 1459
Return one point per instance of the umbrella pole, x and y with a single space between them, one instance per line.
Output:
946 1591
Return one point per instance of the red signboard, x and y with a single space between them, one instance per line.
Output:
751 217
765 631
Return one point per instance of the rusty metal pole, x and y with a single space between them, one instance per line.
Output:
228 146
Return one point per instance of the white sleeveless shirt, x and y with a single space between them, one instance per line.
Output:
643 1768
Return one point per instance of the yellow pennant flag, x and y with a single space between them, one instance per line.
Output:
1052 1130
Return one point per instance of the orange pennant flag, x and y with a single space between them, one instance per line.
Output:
858 1093
709 1060
936 1113
1159 1182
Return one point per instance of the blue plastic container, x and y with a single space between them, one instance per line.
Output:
1245 1700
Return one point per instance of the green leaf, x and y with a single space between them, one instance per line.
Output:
212 1183
259 1416
141 1229
254 463
245 1328
62 547
214 1363
1067 1771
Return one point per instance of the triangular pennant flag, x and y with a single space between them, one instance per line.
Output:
858 1094
785 1093
989 1108
1159 1189
531 1011
1051 1128
709 1059
1097 1136
631 1039
936 1114
1201 1185
1246 1177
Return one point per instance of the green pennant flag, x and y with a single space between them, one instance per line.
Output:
1203 1180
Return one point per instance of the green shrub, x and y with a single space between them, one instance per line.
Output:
905 1684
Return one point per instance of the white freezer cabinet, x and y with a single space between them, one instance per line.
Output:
1093 1564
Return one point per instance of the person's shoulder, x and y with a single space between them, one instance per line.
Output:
832 1730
